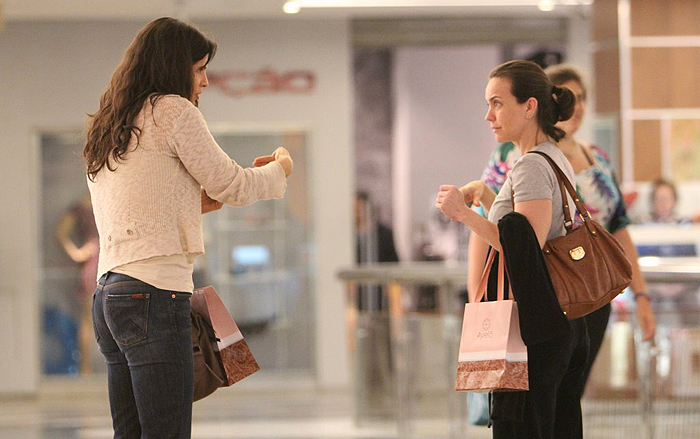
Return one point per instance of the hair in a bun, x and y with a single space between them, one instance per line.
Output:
528 80
564 102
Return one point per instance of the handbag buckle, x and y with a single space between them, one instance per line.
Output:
577 253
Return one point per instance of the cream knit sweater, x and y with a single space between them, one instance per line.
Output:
151 204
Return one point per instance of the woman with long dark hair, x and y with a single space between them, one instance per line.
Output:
153 169
524 107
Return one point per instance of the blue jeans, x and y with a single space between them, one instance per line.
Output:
145 334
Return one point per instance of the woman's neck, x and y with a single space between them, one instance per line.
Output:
531 140
568 145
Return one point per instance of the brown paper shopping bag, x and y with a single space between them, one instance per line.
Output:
224 359
492 355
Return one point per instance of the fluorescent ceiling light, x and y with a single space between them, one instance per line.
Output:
293 6
546 5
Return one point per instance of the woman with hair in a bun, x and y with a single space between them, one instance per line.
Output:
598 190
524 107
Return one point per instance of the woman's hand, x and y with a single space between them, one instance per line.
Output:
450 202
479 194
473 192
645 317
280 155
209 204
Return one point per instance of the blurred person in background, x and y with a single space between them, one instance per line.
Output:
662 201
79 222
375 240
153 169
597 189
675 300
374 244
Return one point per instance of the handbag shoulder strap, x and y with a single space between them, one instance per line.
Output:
568 222
564 181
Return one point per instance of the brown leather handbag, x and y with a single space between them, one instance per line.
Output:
588 266
209 373
221 355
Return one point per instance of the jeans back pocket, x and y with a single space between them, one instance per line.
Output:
126 316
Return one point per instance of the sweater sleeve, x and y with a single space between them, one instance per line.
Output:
220 176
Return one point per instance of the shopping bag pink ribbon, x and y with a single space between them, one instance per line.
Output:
492 355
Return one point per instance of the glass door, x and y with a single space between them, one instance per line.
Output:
259 258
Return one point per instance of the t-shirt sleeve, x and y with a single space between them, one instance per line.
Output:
533 179
221 177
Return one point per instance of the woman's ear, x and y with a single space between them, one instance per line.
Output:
531 108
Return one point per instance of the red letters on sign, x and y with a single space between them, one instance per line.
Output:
241 83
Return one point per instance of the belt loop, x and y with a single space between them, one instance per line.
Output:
103 280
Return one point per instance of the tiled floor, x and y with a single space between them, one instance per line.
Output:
78 409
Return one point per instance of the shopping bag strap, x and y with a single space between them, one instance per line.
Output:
500 288
481 289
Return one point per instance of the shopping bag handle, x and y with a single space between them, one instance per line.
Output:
219 317
500 290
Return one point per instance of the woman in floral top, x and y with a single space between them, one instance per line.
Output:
597 188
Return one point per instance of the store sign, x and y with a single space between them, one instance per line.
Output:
241 83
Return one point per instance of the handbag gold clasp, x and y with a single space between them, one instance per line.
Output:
577 254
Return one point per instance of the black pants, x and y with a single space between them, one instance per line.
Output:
551 409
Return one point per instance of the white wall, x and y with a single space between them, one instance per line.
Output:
440 136
53 73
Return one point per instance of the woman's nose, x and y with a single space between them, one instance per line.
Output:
205 81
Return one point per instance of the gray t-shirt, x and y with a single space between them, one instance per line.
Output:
533 178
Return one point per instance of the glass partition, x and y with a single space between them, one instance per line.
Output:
68 258
258 258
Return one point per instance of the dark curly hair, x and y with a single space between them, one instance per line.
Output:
158 62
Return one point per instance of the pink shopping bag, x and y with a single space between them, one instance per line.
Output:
236 357
492 355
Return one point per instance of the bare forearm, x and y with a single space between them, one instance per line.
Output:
476 260
486 230
639 284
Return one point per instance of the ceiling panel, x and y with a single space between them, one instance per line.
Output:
21 10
